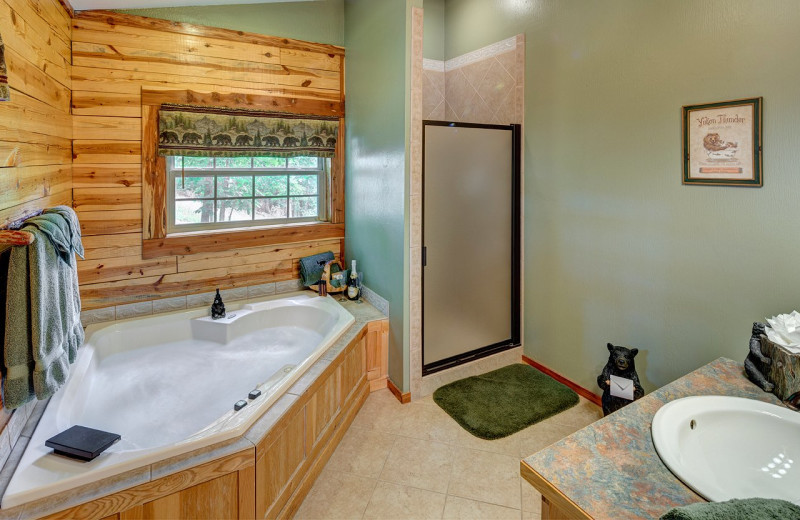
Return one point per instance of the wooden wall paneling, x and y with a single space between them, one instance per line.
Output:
33 39
131 82
24 76
123 268
107 128
130 502
14 213
243 101
89 103
98 295
124 23
354 368
278 461
106 176
109 222
113 246
21 185
107 199
85 151
227 241
254 255
27 113
22 148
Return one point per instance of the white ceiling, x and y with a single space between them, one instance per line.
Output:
83 5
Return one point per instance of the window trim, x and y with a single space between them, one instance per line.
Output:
322 172
156 242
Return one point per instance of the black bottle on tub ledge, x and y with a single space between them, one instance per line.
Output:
217 308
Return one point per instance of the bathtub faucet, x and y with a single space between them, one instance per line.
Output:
217 308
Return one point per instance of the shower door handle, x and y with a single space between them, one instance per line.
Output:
424 256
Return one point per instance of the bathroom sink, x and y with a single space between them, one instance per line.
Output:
730 447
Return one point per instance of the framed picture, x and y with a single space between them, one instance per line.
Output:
722 143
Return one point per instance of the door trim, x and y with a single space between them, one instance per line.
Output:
515 260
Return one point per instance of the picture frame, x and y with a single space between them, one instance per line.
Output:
722 143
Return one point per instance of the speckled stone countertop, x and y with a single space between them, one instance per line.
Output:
363 314
610 469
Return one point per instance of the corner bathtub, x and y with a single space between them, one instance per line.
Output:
167 384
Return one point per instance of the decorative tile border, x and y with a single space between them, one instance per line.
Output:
489 51
436 65
150 307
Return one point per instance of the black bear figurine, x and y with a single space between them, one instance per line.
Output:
217 308
620 364
756 363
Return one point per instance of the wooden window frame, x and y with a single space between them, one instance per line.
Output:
156 242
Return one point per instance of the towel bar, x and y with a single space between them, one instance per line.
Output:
16 238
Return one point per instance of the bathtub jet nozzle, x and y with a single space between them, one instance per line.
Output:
217 308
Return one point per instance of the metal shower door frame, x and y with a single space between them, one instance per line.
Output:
515 260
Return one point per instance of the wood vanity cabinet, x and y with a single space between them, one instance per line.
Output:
272 479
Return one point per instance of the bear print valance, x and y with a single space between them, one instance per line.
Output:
5 94
219 132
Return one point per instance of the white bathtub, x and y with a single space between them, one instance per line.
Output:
167 384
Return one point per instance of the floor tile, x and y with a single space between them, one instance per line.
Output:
486 477
396 502
541 435
337 495
579 416
457 508
419 463
531 499
361 452
507 445
428 421
382 412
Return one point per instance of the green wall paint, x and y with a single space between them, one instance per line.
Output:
320 21
616 249
375 176
433 43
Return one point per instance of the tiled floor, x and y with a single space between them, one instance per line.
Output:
414 462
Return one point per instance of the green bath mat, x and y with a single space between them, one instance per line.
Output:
498 403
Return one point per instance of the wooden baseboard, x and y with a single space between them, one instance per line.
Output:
378 384
581 391
403 398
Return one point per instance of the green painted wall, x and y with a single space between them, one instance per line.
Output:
616 249
375 175
320 21
433 43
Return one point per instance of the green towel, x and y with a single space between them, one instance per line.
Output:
747 509
42 312
311 267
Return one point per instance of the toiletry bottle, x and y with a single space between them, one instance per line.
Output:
353 291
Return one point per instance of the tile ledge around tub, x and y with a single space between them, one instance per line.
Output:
363 314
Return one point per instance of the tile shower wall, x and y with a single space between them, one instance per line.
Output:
483 86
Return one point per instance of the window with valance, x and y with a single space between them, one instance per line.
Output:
219 173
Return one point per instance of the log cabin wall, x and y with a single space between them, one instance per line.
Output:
35 130
115 56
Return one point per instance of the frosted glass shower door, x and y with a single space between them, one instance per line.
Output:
470 291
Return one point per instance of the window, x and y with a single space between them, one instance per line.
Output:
234 192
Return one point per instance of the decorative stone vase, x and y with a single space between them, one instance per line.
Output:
783 372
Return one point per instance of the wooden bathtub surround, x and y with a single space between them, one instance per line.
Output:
272 479
123 68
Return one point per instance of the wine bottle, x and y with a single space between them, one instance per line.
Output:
353 291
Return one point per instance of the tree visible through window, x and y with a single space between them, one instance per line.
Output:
224 192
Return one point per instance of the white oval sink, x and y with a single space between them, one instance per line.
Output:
729 447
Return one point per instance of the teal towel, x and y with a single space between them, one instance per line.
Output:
42 312
311 267
747 509
60 224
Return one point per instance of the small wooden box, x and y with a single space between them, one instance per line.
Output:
784 371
